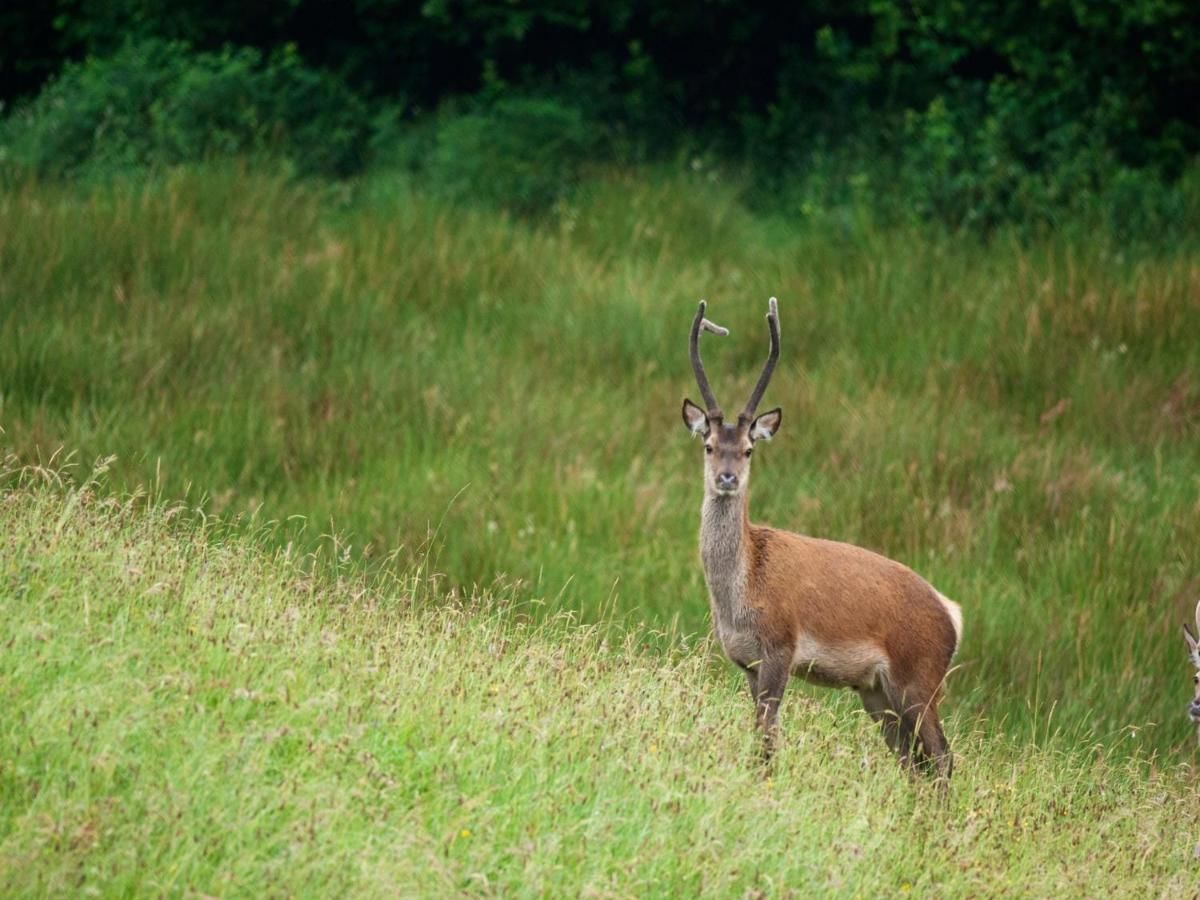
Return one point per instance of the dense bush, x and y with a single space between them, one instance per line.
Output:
973 114
1121 70
517 152
156 102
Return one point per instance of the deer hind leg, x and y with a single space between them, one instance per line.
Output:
922 736
886 706
901 717
911 727
935 749
875 702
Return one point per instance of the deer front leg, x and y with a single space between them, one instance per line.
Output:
768 687
752 682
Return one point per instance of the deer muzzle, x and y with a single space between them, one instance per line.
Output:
727 482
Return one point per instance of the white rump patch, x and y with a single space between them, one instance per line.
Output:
954 611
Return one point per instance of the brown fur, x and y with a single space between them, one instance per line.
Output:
839 592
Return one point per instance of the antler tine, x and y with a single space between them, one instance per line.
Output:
702 324
772 358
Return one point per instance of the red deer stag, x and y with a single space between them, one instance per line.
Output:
785 604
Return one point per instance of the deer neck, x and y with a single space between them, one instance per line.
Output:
724 552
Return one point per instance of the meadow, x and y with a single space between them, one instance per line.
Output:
186 715
479 415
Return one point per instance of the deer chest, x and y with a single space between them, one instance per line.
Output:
733 619
725 571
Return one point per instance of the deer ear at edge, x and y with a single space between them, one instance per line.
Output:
695 418
764 427
1192 645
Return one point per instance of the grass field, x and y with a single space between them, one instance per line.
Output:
493 404
187 715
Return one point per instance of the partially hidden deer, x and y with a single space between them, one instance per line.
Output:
1193 647
785 604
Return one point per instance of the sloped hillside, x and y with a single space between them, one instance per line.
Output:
187 713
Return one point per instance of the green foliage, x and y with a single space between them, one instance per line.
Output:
522 153
157 103
974 115
185 714
966 171
983 161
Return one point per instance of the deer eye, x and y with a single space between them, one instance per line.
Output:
748 452
708 448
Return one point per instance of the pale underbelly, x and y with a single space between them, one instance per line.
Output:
858 664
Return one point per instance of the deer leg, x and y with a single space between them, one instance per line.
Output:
906 726
875 702
923 743
752 682
927 741
935 749
772 678
903 715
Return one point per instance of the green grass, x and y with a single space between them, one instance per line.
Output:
187 714
490 401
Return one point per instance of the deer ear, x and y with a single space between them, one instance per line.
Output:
695 418
764 427
1193 647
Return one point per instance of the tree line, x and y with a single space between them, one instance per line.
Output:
993 98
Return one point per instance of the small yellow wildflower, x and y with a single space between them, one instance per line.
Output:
465 833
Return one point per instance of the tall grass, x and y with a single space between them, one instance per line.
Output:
186 715
495 400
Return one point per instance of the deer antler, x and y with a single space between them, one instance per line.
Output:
765 377
702 324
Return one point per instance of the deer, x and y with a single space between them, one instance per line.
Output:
834 614
1193 646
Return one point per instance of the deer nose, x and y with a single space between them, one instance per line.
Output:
726 480
1194 709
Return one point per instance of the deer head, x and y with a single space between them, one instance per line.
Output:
1194 655
729 446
